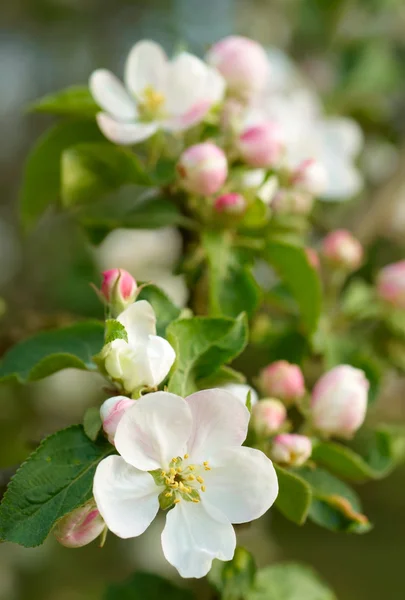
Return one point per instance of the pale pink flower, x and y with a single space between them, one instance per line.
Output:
291 449
268 416
342 249
283 380
203 168
391 284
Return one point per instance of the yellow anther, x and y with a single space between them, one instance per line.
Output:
179 469
167 481
186 456
181 486
175 484
205 463
163 473
191 467
172 471
153 99
203 488
207 468
200 479
177 501
168 494
187 489
195 499
191 478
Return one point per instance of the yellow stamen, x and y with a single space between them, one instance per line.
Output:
176 501
172 471
203 488
195 499
207 468
191 467
205 463
167 481
175 484
181 486
200 479
168 494
179 469
163 473
191 478
186 456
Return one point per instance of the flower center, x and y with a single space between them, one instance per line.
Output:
151 103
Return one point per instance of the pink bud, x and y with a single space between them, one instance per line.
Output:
313 258
339 401
203 168
292 202
111 412
291 449
243 64
311 177
342 249
268 416
80 527
261 145
119 289
230 204
283 380
391 284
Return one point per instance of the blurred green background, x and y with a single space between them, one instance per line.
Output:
353 51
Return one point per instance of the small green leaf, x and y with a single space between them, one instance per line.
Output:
257 215
42 175
146 586
289 581
92 423
114 330
202 346
294 496
293 268
165 310
232 287
55 479
51 351
75 101
233 579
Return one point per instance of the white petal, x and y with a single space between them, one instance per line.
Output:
126 498
194 535
344 180
214 86
219 420
242 484
154 431
342 135
161 357
241 391
146 66
125 133
139 320
111 96
186 83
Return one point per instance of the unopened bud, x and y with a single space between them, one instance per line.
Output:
111 412
80 527
291 449
230 204
342 249
119 289
339 401
203 169
283 380
391 284
313 258
311 177
261 145
268 416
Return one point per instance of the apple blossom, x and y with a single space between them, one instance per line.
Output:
203 168
111 412
158 94
262 144
291 449
145 359
80 527
268 416
342 249
391 284
242 62
283 380
185 455
311 177
339 401
118 289
231 203
241 391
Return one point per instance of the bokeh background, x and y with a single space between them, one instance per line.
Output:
353 53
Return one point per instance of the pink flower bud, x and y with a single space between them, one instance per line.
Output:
203 168
230 204
261 145
339 401
311 177
119 289
391 284
111 412
283 380
243 64
291 449
292 202
268 416
313 258
342 249
80 527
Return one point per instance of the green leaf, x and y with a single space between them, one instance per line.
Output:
114 330
42 175
289 581
55 479
294 496
146 586
335 505
232 287
92 423
257 215
165 310
202 346
51 351
221 377
91 170
75 101
233 579
293 268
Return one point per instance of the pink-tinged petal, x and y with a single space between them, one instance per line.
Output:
154 431
111 96
111 412
126 498
80 527
219 420
193 116
125 133
194 535
146 67
242 484
139 321
185 83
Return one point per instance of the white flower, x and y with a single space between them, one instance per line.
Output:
241 391
146 358
159 94
193 449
